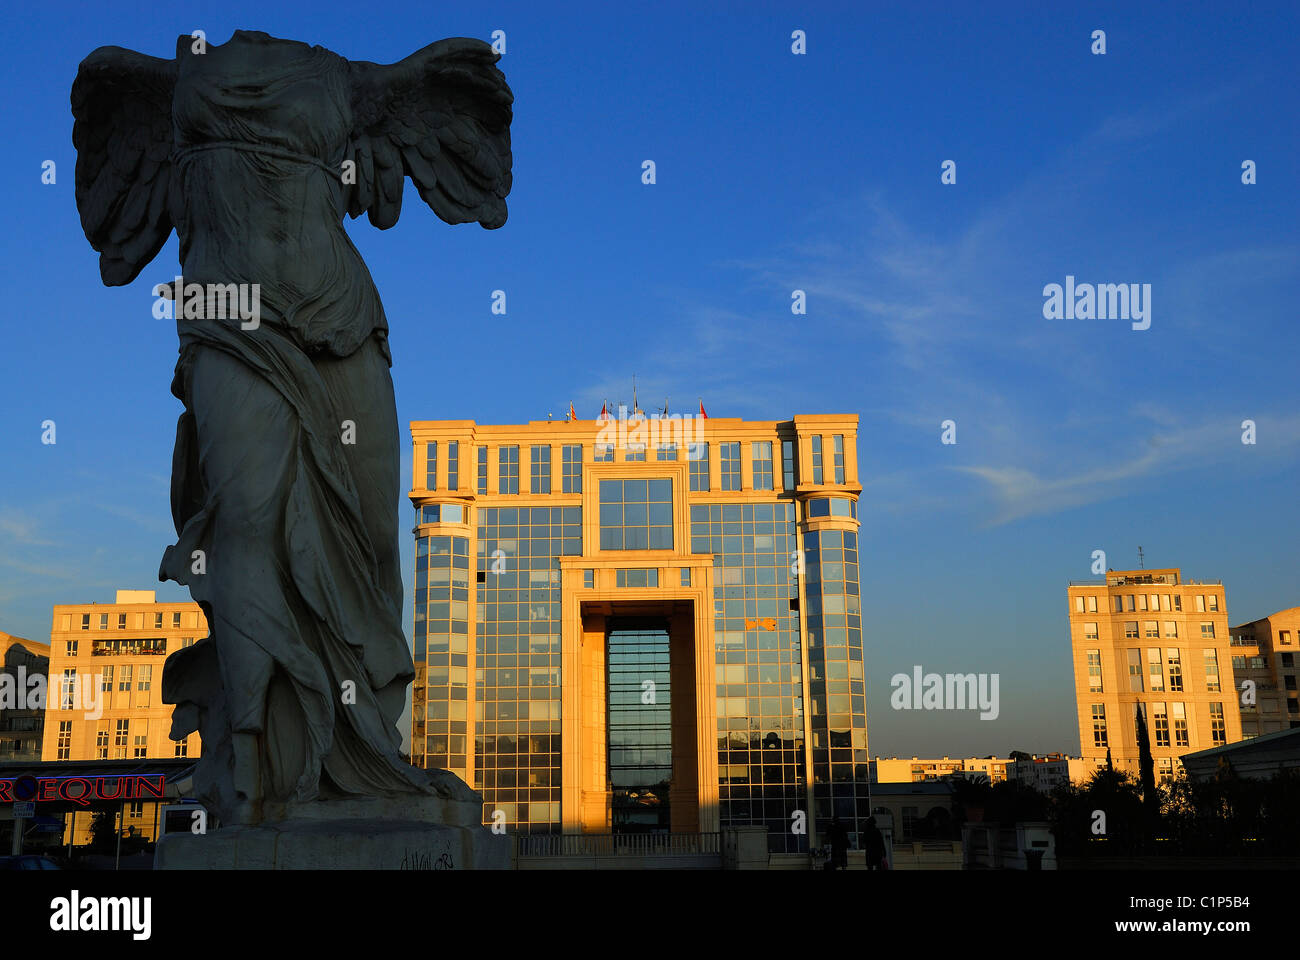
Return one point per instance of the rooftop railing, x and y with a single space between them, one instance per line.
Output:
619 844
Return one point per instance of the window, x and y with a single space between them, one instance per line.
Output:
787 465
603 453
1094 671
106 678
666 451
1211 659
68 690
589 578
686 576
832 507
1284 638
135 808
65 740
121 621
141 748
441 513
481 479
125 682
698 455
1078 604
637 578
431 466
1212 601
1092 604
139 647
176 621
103 621
1200 603
571 468
1119 604
1128 602
1288 659
120 738
1161 715
183 746
1180 725
1130 628
1207 631
72 648
1165 769
1238 662
762 453
1142 601
817 459
1155 669
838 441
1155 602
101 743
1164 601
729 454
539 470
635 453
1098 724
1218 729
145 680
1178 602
157 621
1134 670
636 514
1257 663
508 469
1090 631
1171 628
1150 628
1175 670
85 621
453 471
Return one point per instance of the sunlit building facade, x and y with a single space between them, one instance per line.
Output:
643 623
22 707
104 700
1149 640
1264 652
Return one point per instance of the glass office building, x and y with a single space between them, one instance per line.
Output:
643 624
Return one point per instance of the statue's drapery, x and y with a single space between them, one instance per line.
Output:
286 478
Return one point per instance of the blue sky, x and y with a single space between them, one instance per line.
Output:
775 172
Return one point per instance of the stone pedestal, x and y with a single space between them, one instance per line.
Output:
372 834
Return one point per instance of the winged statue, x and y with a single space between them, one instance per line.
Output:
285 476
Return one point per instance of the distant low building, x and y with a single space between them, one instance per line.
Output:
921 810
919 770
1048 772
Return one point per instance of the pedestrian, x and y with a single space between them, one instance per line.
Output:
873 845
839 838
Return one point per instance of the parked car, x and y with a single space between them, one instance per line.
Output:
28 861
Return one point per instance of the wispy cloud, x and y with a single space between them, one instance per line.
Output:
951 325
1023 493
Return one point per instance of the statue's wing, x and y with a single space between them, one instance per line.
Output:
441 116
122 103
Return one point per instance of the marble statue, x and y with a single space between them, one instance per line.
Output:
285 482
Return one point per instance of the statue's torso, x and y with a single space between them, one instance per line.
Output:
261 129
